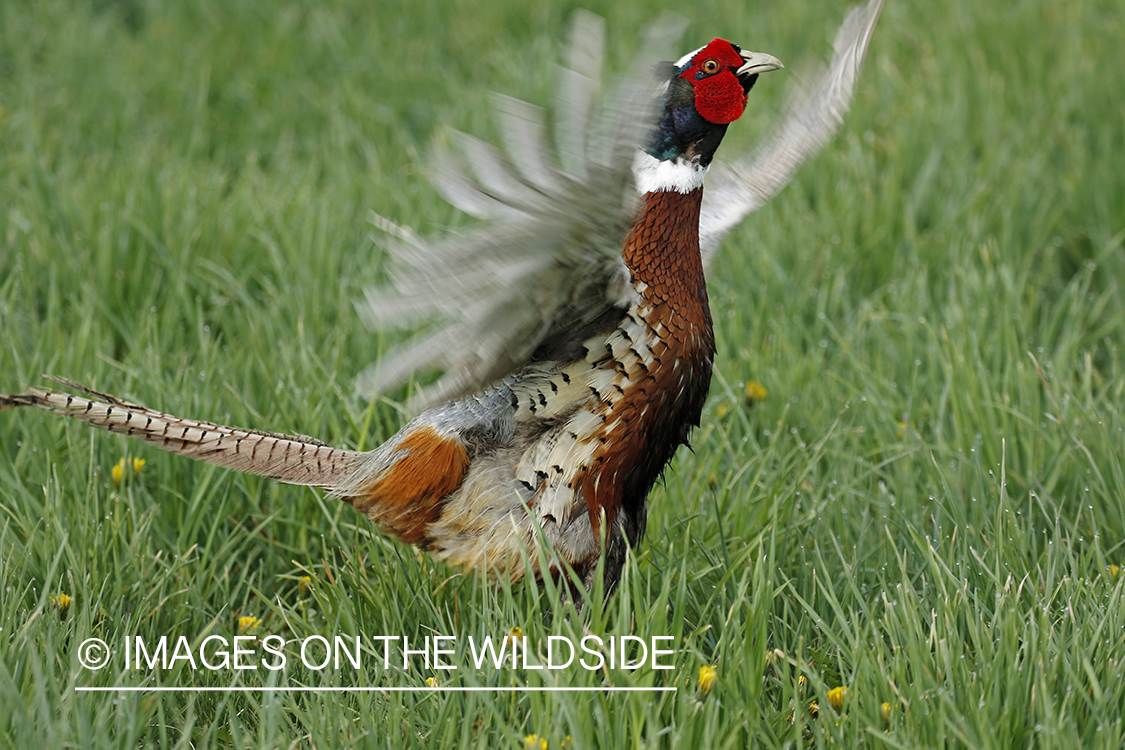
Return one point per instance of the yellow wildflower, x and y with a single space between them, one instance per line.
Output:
836 697
535 741
755 392
514 635
431 681
885 710
1114 571
707 676
248 623
567 742
814 709
117 472
138 465
62 601
722 409
304 583
802 681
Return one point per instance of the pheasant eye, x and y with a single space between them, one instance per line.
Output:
710 66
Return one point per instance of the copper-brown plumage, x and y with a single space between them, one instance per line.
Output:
664 391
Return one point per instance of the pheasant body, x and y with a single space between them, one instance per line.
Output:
562 448
579 344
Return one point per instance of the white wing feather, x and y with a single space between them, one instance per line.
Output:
812 114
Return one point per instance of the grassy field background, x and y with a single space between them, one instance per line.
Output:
927 508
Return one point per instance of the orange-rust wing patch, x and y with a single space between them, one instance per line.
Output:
406 498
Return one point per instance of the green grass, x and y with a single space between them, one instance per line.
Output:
923 509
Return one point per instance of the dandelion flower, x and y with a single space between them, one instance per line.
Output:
535 741
304 583
138 465
814 709
836 697
707 676
802 681
248 623
885 711
431 681
755 392
62 602
117 472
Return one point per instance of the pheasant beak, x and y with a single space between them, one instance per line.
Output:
757 62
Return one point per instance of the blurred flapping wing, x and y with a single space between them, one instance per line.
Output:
547 259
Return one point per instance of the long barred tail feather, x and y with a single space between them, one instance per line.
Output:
296 459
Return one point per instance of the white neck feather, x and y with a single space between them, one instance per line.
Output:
652 175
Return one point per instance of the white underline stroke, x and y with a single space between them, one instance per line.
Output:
439 689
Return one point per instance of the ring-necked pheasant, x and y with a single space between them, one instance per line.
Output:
577 343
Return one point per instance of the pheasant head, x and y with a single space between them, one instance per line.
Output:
704 92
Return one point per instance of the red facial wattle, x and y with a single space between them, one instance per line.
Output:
720 97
